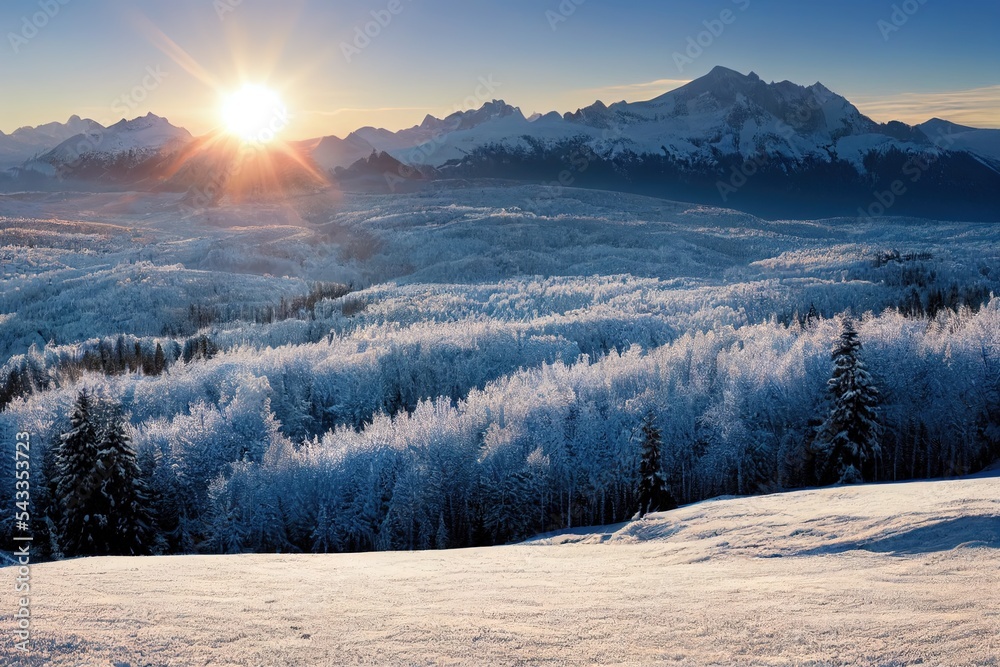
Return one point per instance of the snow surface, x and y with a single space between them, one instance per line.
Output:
897 574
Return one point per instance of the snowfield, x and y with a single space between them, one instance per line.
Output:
897 574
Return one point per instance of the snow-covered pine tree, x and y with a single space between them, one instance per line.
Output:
653 493
77 481
98 486
124 498
847 445
812 317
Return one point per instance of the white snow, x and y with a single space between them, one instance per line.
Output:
897 574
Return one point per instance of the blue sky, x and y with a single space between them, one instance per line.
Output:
94 57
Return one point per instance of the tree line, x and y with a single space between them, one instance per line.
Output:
326 495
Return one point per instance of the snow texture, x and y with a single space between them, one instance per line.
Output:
899 574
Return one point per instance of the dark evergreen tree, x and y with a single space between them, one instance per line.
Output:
847 446
102 502
812 317
653 493
123 500
159 361
46 512
77 482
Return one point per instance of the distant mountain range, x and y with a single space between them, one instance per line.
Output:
726 139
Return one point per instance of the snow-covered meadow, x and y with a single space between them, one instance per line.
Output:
894 574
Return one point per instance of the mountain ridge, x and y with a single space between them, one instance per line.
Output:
727 138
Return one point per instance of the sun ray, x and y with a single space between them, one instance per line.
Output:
174 51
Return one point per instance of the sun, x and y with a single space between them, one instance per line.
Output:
254 113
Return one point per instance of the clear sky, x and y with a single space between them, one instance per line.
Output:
102 58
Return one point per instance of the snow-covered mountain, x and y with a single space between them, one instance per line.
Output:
723 112
984 143
731 139
26 142
332 152
115 151
726 139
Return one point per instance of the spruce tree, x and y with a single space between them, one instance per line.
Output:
159 361
653 493
123 497
77 481
847 445
101 496
812 317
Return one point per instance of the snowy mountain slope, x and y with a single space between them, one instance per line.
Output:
732 113
777 149
27 142
114 152
898 574
146 134
774 149
512 130
432 129
332 152
985 143
724 111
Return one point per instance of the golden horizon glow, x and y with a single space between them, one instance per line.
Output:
255 113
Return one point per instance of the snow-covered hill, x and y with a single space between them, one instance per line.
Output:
896 574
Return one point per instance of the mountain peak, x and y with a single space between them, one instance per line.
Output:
720 71
150 120
721 82
469 118
820 88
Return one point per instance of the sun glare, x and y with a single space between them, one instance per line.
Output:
254 113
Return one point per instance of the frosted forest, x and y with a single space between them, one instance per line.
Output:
470 366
